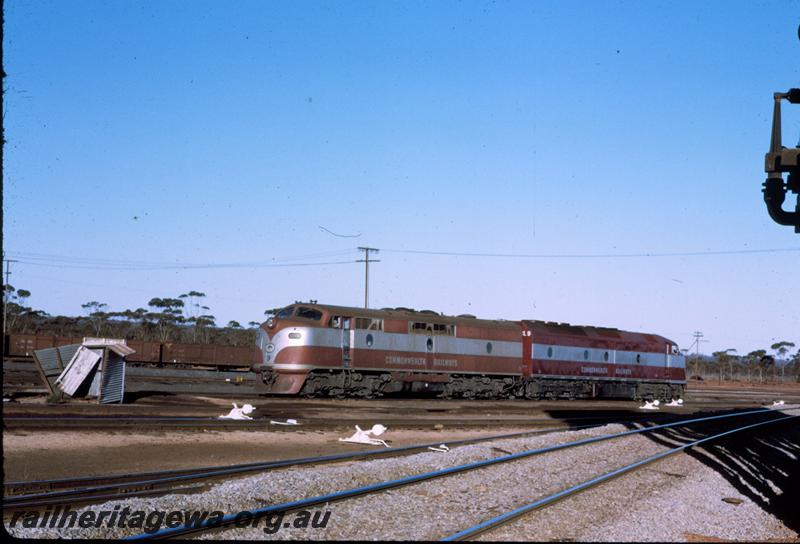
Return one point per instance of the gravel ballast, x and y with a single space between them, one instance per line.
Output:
665 501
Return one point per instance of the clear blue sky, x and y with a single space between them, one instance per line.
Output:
230 132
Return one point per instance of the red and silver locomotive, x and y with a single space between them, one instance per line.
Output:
317 349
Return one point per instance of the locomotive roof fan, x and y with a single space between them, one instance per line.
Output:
780 160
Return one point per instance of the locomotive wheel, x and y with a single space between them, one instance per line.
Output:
337 393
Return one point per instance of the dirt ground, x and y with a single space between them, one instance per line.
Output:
48 455
29 455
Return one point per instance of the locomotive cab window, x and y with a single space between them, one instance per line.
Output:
286 312
309 313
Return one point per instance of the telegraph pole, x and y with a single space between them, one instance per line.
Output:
6 293
697 336
366 260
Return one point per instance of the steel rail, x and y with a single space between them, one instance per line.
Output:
156 422
81 487
11 487
259 513
149 482
502 519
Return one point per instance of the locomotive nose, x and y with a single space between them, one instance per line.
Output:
267 353
265 345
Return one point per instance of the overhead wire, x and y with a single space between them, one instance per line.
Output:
592 255
94 263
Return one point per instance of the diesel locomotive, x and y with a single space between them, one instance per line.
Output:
317 349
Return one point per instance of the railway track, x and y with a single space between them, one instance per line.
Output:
255 514
158 423
39 493
42 493
507 517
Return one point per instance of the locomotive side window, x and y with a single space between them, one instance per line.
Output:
369 324
488 347
550 352
638 357
419 327
430 344
370 340
309 313
441 328
376 325
605 356
586 355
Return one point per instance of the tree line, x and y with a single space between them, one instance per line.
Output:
757 365
184 318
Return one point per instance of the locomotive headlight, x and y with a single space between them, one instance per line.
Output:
271 322
270 347
294 335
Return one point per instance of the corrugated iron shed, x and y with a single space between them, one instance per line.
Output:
96 368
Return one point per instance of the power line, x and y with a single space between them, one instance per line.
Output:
182 266
594 255
94 260
94 263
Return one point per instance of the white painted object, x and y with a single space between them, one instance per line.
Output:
674 402
650 405
441 448
287 422
778 403
239 413
362 437
78 369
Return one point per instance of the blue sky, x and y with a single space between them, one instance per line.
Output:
217 132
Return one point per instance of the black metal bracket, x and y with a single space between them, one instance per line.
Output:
779 161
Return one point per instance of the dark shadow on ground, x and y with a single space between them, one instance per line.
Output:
762 463
582 418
